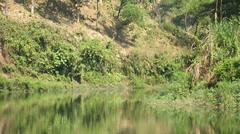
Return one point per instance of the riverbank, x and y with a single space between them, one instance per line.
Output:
170 94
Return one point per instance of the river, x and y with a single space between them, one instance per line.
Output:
75 113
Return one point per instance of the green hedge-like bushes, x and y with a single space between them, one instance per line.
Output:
96 56
159 66
132 13
228 69
44 50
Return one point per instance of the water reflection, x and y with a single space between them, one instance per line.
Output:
105 114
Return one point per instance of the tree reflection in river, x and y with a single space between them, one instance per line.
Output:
105 114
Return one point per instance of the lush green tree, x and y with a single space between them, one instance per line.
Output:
132 14
122 4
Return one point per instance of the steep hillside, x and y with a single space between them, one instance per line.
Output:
149 40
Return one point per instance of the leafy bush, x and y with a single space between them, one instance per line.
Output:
27 84
36 48
59 60
96 56
227 39
227 94
8 68
99 78
137 82
162 66
39 48
132 14
184 38
228 69
168 2
137 65
187 59
143 66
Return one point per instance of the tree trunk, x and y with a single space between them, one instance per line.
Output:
5 12
77 10
196 29
216 11
221 10
78 17
185 21
32 6
98 14
120 9
1 7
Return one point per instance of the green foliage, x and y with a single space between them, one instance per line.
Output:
133 14
59 60
188 6
95 56
187 59
168 2
159 66
225 53
227 94
202 95
172 91
42 52
30 85
228 69
99 78
227 39
184 38
162 66
8 69
137 65
137 82
37 48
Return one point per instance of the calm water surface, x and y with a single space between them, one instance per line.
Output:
105 114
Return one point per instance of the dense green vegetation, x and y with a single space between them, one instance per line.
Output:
209 72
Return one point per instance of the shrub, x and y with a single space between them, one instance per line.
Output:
3 82
136 64
40 49
227 94
59 60
27 84
227 39
8 68
132 13
158 67
95 56
187 59
228 69
137 82
162 66
99 78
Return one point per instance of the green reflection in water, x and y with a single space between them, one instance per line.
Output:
105 113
